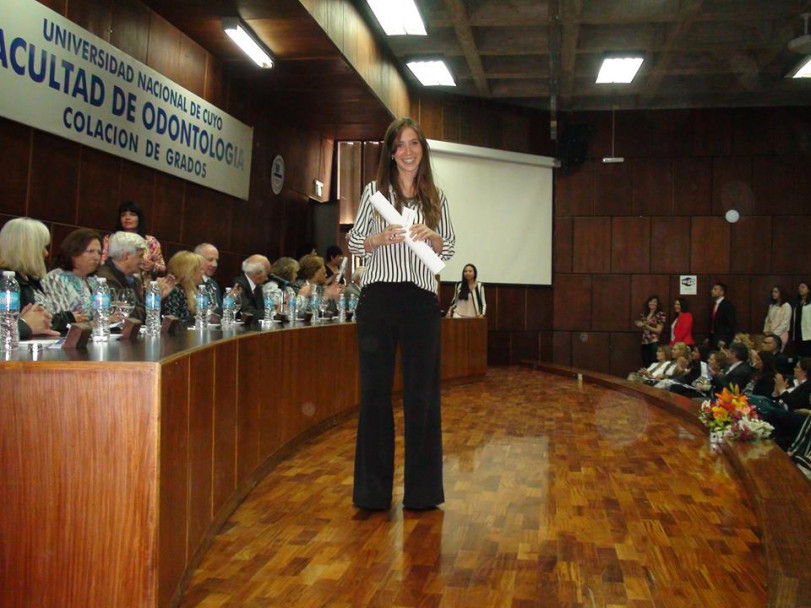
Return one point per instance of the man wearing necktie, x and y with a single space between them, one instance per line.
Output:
722 318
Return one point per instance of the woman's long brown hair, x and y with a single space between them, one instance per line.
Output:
387 173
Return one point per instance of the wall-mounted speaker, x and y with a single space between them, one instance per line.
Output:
573 147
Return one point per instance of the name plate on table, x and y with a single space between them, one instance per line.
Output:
131 329
170 324
78 336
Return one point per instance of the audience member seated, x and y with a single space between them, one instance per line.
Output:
211 258
332 263
782 363
468 296
696 382
681 330
187 268
23 247
121 269
762 382
255 271
284 272
657 370
131 219
778 318
738 372
68 288
793 404
353 289
680 357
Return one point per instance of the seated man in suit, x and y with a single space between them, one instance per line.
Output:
774 344
795 399
122 268
211 256
255 271
738 373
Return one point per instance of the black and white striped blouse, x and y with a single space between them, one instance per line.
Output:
397 263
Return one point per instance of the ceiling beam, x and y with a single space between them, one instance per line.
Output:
687 16
464 34
571 11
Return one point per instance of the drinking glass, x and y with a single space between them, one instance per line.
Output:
125 301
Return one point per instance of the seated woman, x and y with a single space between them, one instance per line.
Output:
312 276
681 330
23 247
656 371
468 297
187 268
696 382
680 357
131 219
762 382
68 288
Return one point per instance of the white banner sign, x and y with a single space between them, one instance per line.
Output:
60 78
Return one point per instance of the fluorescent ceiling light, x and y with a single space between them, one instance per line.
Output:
398 17
432 73
619 69
804 71
247 41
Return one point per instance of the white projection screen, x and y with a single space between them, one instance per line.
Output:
501 208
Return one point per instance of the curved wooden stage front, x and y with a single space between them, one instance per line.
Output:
120 463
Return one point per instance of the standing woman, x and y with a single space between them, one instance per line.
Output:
652 321
468 297
778 319
398 304
682 328
131 219
801 322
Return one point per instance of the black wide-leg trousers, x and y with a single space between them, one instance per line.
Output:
388 315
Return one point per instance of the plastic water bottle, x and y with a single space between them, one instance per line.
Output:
270 304
101 311
291 305
341 302
228 308
201 304
9 311
153 309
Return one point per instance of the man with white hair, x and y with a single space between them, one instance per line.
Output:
211 257
255 271
122 267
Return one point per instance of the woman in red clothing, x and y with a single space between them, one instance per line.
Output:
682 328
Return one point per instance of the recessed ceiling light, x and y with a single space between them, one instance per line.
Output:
432 73
620 70
804 70
398 17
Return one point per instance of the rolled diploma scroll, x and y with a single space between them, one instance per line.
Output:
423 250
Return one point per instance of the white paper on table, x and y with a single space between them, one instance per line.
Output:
422 249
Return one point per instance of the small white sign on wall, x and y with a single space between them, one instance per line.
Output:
688 285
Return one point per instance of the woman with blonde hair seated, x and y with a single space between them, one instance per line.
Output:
187 268
656 371
23 247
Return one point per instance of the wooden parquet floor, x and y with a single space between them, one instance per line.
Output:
557 495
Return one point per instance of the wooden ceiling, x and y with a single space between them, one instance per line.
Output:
544 53
311 79
541 54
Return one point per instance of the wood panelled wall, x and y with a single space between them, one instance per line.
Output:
625 231
67 185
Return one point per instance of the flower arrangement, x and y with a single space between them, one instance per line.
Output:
731 416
